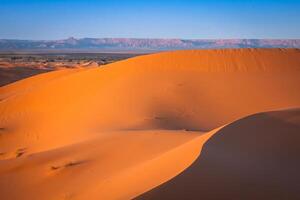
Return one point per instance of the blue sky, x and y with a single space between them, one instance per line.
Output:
57 19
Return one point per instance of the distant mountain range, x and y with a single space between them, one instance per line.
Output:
132 44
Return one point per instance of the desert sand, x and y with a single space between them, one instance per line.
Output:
256 157
216 124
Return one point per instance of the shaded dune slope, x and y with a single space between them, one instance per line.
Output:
256 157
132 125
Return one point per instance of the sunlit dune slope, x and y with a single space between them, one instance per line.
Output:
117 131
193 90
256 157
119 165
33 82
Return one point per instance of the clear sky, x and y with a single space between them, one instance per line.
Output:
203 19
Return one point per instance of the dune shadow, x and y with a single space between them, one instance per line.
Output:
256 157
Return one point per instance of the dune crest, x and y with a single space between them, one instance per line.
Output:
118 125
256 157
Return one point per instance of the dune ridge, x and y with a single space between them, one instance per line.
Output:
255 157
117 126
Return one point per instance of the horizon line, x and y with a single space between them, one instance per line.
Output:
154 38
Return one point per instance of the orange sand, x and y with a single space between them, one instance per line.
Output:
256 157
118 131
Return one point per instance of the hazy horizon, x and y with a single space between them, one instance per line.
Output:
143 38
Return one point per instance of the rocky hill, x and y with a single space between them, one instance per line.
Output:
125 44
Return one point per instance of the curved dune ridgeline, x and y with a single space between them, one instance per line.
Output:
256 157
121 130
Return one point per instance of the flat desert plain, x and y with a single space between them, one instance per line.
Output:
190 124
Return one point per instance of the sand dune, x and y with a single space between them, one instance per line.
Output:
99 168
118 131
256 157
